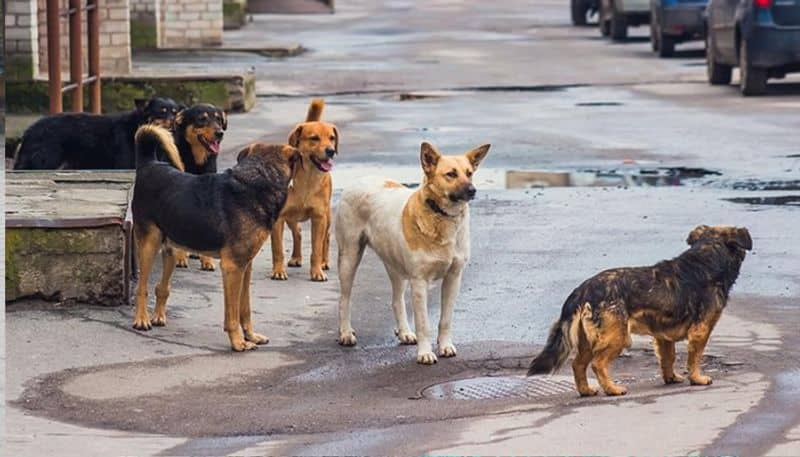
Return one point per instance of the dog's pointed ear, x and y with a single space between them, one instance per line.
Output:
245 152
141 104
428 157
336 141
741 238
294 137
476 155
696 234
224 116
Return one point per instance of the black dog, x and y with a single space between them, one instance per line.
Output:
671 301
227 215
90 141
198 133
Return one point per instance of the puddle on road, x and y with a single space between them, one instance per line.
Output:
499 178
780 200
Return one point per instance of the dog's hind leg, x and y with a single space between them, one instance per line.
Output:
351 250
419 297
296 259
403 331
581 363
665 351
612 338
278 269
148 241
232 282
244 310
162 288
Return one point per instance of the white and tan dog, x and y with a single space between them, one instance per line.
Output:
421 236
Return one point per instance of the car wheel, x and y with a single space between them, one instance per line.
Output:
578 8
666 44
718 74
619 25
752 80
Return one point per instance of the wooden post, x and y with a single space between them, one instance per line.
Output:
54 56
93 34
76 55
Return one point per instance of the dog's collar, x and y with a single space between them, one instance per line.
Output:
437 209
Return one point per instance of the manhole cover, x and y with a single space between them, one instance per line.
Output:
488 388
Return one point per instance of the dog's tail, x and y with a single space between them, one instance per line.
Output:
315 110
563 337
153 141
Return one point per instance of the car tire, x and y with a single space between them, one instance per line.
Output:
579 8
752 80
666 44
619 25
718 74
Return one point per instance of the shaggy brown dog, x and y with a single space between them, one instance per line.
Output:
309 196
670 301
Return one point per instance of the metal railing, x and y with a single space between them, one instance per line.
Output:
77 81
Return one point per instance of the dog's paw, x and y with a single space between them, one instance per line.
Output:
426 358
206 264
318 275
241 346
700 380
615 389
279 275
406 336
182 260
142 323
674 379
256 338
159 321
325 266
347 337
295 262
588 391
447 350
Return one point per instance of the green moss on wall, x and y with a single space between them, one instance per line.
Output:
143 34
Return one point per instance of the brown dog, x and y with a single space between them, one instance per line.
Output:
671 301
309 195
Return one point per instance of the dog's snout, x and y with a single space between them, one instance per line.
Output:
219 134
330 152
470 191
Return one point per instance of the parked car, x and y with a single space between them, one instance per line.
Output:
761 37
615 16
675 21
581 9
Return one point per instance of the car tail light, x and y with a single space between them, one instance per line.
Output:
762 3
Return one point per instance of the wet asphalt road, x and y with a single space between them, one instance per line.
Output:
548 97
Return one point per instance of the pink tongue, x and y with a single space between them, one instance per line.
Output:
214 147
326 165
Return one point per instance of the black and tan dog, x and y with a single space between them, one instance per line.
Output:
198 133
82 141
671 301
227 215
